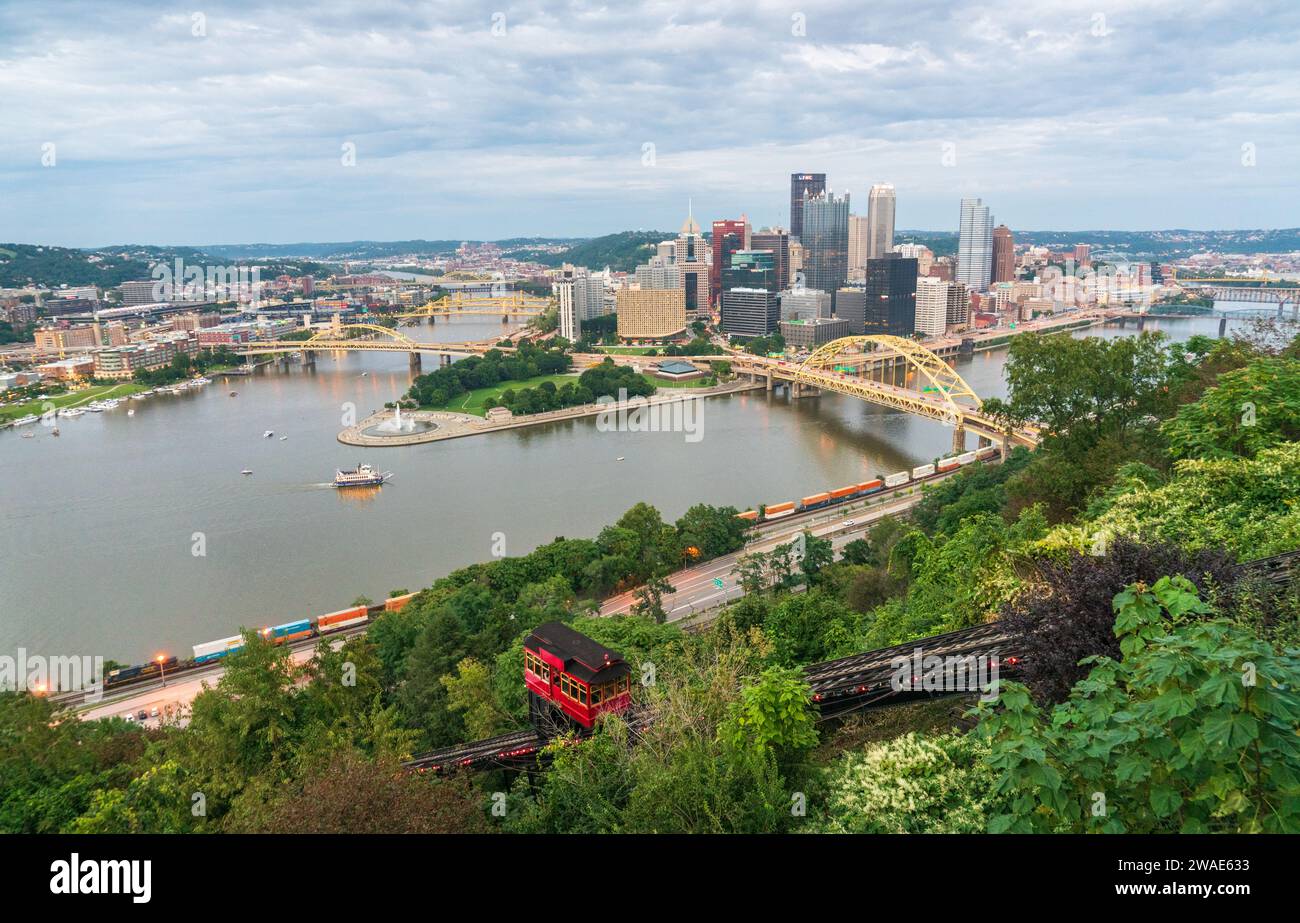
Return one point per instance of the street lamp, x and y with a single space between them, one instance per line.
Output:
162 668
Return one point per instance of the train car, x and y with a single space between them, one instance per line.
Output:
948 464
122 674
748 515
984 454
894 480
845 494
214 650
344 618
397 603
966 458
572 678
870 487
815 502
778 510
289 631
922 471
158 666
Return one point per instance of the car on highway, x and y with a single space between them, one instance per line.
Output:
128 717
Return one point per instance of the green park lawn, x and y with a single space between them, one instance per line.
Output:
69 399
480 400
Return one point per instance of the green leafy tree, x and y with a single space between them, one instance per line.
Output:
1196 730
1247 410
773 715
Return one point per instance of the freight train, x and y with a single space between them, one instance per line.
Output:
866 488
287 633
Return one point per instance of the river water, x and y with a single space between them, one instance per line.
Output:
101 528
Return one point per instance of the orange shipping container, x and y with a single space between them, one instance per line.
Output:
844 491
870 485
397 602
343 615
779 507
816 498
748 515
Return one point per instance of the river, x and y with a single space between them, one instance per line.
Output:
101 527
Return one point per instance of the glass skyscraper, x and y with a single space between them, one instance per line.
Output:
826 241
802 184
975 246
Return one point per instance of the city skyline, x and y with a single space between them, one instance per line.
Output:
470 126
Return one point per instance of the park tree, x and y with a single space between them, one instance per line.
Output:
1247 410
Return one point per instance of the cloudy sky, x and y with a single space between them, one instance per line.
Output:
230 122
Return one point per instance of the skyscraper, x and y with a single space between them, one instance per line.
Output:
691 261
1004 255
568 311
880 220
975 246
940 305
728 236
857 244
778 241
891 296
801 184
750 312
826 241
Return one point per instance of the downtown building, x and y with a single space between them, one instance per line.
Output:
729 236
940 306
880 220
803 185
1004 255
777 240
825 241
750 312
975 246
691 257
809 334
650 314
890 290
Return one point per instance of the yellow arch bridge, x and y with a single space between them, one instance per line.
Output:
366 338
892 372
511 304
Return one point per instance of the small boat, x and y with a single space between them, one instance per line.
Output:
247 471
283 438
131 412
29 435
268 434
55 431
620 458
234 393
23 421
360 476
71 412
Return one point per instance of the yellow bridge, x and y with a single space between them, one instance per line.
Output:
512 304
907 377
366 338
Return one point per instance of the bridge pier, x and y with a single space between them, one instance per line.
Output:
1142 322
416 363
958 439
309 358
1223 326
444 360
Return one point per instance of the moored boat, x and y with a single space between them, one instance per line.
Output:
361 476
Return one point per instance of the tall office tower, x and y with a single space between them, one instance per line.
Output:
958 305
1004 255
569 311
796 262
880 220
931 306
857 244
891 295
692 263
667 251
825 241
750 312
803 184
778 241
750 269
851 307
975 245
1083 254
728 236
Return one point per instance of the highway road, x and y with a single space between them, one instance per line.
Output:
699 589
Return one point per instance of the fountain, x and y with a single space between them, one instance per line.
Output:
397 426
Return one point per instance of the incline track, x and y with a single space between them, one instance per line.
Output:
838 686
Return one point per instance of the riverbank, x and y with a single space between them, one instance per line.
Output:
68 399
450 425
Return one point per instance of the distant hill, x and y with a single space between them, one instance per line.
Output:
621 252
27 264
